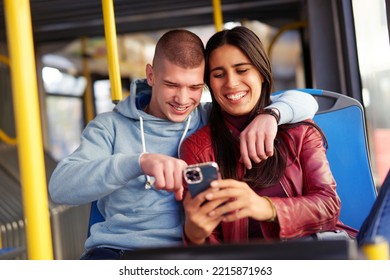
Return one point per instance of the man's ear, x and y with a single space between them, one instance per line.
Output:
149 74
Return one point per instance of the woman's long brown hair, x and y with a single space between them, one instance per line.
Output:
226 146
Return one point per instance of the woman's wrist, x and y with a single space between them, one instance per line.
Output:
192 240
273 209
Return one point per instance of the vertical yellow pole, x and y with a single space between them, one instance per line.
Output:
88 98
218 19
377 249
28 129
112 50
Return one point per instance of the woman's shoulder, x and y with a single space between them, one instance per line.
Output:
300 127
202 135
199 143
303 132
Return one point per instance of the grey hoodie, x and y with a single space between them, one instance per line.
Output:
105 167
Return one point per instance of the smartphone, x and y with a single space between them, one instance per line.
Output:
199 176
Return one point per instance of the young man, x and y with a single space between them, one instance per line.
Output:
127 159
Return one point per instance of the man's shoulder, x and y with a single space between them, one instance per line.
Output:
109 119
205 106
109 115
203 112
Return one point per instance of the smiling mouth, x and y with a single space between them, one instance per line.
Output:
180 108
236 96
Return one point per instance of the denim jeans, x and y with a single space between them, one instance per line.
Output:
102 253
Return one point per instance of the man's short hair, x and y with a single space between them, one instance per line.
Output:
180 47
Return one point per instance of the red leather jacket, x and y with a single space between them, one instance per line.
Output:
312 204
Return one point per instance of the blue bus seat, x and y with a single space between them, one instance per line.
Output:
342 120
95 216
377 223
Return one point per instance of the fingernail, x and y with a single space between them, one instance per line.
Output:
214 184
209 196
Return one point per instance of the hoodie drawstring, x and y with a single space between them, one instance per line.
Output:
150 180
183 135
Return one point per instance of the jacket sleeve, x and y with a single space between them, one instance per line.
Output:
294 106
315 206
92 170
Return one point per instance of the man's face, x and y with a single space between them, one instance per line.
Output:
176 91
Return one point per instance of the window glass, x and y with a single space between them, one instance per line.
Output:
103 99
65 123
374 62
57 82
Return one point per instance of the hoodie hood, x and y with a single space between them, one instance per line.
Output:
140 95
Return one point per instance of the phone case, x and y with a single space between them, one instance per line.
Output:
199 176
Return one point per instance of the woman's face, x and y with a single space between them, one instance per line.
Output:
234 80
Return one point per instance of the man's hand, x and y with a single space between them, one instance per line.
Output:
257 140
167 171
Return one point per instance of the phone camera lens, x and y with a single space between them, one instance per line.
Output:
193 175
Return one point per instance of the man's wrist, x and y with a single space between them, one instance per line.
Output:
270 111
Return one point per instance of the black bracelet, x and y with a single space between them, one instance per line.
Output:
269 111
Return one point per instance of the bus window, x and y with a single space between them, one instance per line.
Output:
102 96
373 48
64 105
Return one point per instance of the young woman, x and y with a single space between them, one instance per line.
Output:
289 195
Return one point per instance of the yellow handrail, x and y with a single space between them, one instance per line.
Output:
3 136
6 139
4 59
284 28
28 127
218 19
112 50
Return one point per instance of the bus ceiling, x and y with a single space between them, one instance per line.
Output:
59 21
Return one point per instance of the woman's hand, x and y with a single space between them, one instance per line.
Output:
199 224
225 201
242 202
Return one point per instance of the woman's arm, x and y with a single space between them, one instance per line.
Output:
313 204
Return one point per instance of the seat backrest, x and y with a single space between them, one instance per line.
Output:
377 223
342 120
94 217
